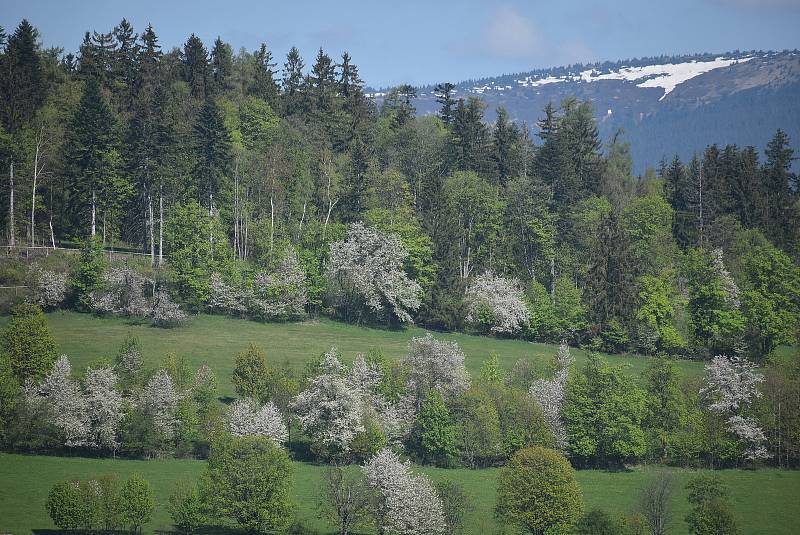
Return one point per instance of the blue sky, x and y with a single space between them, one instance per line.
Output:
428 42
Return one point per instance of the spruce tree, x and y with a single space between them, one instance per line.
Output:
779 181
221 66
444 96
293 83
263 84
213 153
195 66
22 84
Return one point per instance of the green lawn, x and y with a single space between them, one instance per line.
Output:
215 340
766 501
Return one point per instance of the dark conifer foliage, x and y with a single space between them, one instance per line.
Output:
22 84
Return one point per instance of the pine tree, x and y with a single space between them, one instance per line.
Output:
195 66
92 161
322 89
213 151
505 148
293 83
444 96
263 84
779 180
22 84
125 59
221 66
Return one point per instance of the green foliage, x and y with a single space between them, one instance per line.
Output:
598 522
250 373
66 506
248 480
27 348
138 502
491 371
711 514
656 314
537 492
186 508
456 503
368 442
197 248
569 310
477 426
604 411
88 278
434 430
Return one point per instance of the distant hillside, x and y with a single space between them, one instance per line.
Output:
665 105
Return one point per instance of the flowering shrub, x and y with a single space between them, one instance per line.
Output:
496 304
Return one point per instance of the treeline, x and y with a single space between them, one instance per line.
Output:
256 190
425 405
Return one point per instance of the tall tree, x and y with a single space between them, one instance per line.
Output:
194 58
22 83
263 84
293 82
213 153
221 67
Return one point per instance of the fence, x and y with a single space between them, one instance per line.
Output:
40 250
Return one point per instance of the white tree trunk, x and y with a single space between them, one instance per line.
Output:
302 219
271 223
12 236
151 225
94 214
160 225
52 234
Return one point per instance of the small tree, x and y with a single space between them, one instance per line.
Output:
137 502
654 501
497 304
537 492
89 276
435 430
711 514
250 373
455 504
345 499
65 505
248 480
27 345
186 508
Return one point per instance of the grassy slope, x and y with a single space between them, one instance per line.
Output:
765 500
216 340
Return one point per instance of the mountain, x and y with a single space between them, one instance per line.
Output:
664 105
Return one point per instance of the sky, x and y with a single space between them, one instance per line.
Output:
422 42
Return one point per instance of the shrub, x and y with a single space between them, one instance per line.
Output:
186 508
65 505
27 344
49 288
137 502
537 492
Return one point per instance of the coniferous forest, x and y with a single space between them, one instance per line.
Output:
158 185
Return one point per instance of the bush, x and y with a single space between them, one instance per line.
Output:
26 344
186 508
137 502
65 505
537 492
49 288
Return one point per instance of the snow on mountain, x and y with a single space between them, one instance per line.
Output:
667 76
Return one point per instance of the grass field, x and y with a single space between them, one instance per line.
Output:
215 340
766 501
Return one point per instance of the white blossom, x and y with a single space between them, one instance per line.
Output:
226 297
246 418
504 297
281 293
406 503
49 288
104 406
367 267
748 431
728 284
434 364
65 404
159 399
330 410
731 383
166 312
549 394
124 292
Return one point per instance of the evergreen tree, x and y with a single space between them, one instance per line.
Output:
22 83
444 96
194 58
293 83
124 60
92 162
263 84
779 181
221 67
212 147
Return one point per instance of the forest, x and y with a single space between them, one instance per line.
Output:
160 186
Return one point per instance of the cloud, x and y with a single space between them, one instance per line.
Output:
511 35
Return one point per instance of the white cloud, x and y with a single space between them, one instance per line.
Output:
511 35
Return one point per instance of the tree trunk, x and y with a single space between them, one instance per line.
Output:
151 224
302 219
271 224
160 225
94 214
12 236
52 234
